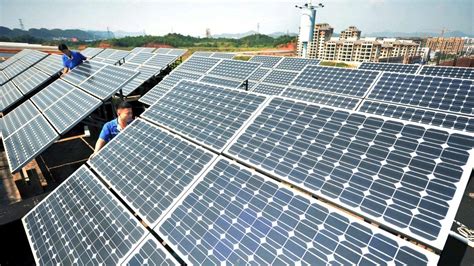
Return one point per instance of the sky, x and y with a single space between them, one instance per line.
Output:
192 17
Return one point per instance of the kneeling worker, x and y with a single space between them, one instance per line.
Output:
113 127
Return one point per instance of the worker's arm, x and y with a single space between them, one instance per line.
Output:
98 145
64 71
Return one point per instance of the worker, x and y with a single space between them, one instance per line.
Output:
71 59
114 127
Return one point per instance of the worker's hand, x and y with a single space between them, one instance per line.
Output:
92 155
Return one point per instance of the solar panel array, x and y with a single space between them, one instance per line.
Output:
51 65
391 67
111 56
30 79
447 71
82 222
91 52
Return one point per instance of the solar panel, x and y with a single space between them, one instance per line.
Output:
82 72
267 61
177 52
140 58
119 55
81 222
52 93
107 81
280 77
439 93
29 140
154 94
9 95
240 70
142 49
203 54
105 53
268 89
163 50
150 187
208 114
30 79
391 67
448 71
228 83
236 216
68 110
18 117
353 82
145 73
14 69
198 64
50 65
176 76
3 78
33 57
91 52
405 176
259 74
441 119
13 58
295 63
223 55
150 252
161 60
322 98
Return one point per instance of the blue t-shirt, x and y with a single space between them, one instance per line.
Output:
77 59
109 130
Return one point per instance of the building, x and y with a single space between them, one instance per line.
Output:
446 45
321 34
351 32
398 48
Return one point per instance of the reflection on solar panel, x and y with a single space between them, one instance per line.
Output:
145 73
232 84
454 95
176 76
240 70
446 120
268 89
236 216
161 60
139 58
30 79
154 94
9 95
28 141
64 105
91 52
405 176
391 67
82 72
322 98
295 63
18 117
259 74
208 114
198 64
280 77
177 52
353 82
107 81
81 222
447 71
151 187
150 252
33 57
267 61
50 65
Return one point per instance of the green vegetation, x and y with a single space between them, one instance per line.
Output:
336 64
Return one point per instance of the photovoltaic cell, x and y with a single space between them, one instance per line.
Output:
139 58
150 252
14 69
447 71
295 63
81 222
391 67
208 114
203 54
177 52
176 76
82 72
259 74
280 77
18 117
50 65
33 57
439 93
223 55
418 115
198 64
240 70
405 176
30 80
161 61
150 187
154 94
236 216
13 58
267 61
91 52
9 95
268 89
228 83
353 82
313 96
145 73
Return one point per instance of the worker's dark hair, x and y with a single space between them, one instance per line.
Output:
124 105
62 47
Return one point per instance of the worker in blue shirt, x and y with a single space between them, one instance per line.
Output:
71 59
113 127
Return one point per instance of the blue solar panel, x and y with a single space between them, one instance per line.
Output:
405 176
313 96
448 71
235 216
150 252
391 67
198 64
267 61
9 95
439 93
295 63
280 77
228 83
